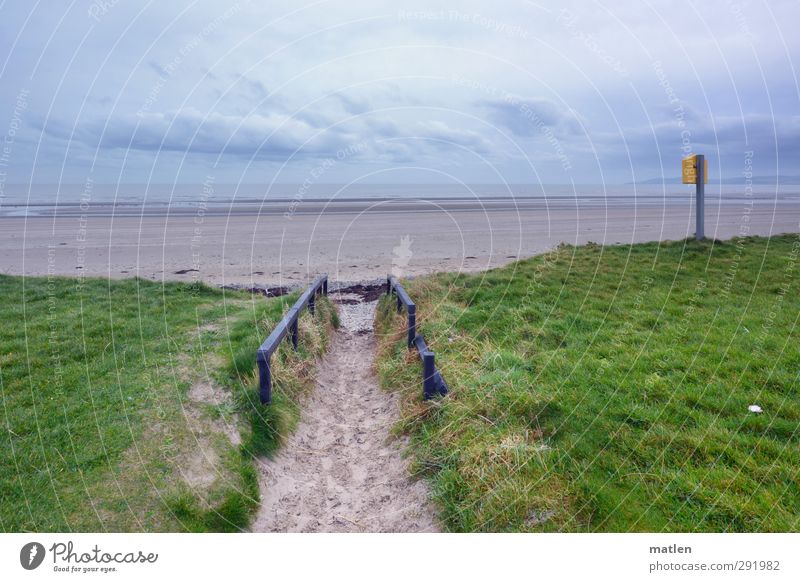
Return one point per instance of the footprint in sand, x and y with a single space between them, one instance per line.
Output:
341 470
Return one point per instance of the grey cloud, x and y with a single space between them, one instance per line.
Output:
727 134
383 127
527 117
255 88
273 135
351 105
446 135
214 133
396 152
317 81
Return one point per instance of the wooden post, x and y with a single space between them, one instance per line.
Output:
412 324
264 377
294 332
428 375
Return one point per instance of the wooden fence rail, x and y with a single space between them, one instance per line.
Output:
432 381
287 325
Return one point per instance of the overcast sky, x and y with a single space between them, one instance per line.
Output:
395 91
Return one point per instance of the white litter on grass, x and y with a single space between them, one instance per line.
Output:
755 408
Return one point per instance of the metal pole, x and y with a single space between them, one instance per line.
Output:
311 305
700 204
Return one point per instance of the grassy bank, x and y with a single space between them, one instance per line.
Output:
607 389
132 406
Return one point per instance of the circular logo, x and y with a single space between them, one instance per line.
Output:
31 555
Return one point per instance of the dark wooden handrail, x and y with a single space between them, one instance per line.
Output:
287 325
432 381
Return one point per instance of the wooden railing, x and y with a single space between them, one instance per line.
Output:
287 325
432 381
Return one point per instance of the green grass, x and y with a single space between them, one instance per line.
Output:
98 429
606 388
292 372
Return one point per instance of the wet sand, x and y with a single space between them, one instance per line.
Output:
353 240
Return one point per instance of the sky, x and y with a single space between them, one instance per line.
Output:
116 91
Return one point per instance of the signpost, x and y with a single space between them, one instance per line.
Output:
695 171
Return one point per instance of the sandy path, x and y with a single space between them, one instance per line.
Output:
341 471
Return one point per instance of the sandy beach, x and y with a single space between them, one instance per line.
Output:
284 244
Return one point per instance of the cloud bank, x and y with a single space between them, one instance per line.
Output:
469 91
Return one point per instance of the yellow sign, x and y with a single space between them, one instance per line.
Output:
689 167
